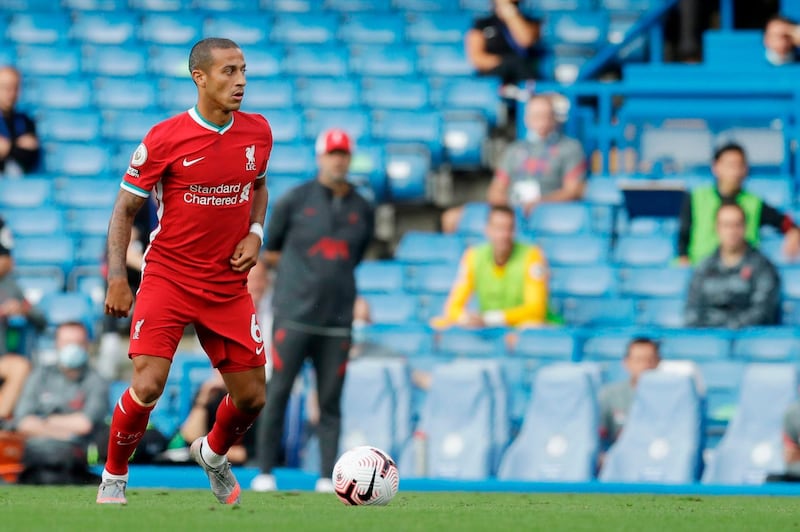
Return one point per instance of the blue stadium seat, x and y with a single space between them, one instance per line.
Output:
227 6
38 28
722 380
602 190
67 306
129 126
778 192
68 126
465 133
604 344
396 309
292 160
57 251
35 287
773 249
473 219
104 28
290 6
410 340
628 5
177 95
116 93
368 168
765 147
556 344
59 93
560 219
167 29
280 185
583 28
90 251
169 62
662 438
86 193
661 312
654 282
484 343
328 93
316 60
598 311
425 5
558 440
767 344
419 247
578 250
431 278
379 276
652 250
583 281
753 445
265 61
45 60
286 124
647 226
443 60
439 28
681 148
423 126
96 5
699 345
88 222
377 60
353 6
29 5
77 159
407 168
124 61
356 122
395 93
558 5
371 28
790 282
37 221
160 5
472 94
316 28
247 29
26 193
430 306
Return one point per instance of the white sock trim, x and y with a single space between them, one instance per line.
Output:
108 476
210 457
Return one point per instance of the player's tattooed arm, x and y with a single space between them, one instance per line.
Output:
258 210
119 232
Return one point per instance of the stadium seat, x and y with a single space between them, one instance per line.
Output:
383 276
61 307
395 93
699 345
35 287
557 344
290 6
286 124
465 133
167 29
628 5
600 311
418 126
45 60
316 60
583 281
444 60
25 193
302 28
77 159
96 5
88 222
420 247
471 94
425 5
683 149
578 250
91 251
608 343
753 444
38 28
602 190
776 191
355 122
292 160
661 442
583 28
765 147
661 312
68 126
39 221
767 344
160 5
124 61
325 93
558 440
368 167
371 28
387 60
227 6
654 282
410 340
653 250
86 193
396 309
114 93
473 219
407 168
558 5
264 61
559 219
431 278
176 95
459 342
246 29
108 29
430 306
169 62
722 379
439 28
59 93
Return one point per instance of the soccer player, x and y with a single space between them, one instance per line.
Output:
206 168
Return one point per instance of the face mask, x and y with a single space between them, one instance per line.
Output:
359 332
72 356
774 58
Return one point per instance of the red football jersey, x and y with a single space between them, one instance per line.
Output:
202 176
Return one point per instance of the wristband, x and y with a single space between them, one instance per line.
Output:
258 230
494 318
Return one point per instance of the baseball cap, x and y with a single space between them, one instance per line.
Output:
334 140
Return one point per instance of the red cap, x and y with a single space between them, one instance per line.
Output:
334 140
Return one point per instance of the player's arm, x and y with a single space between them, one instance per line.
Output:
119 297
278 228
534 302
245 255
461 291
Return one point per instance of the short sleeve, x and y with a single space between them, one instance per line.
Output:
148 164
262 172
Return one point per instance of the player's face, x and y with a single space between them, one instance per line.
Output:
225 79
334 166
500 232
730 170
731 229
70 334
9 89
641 357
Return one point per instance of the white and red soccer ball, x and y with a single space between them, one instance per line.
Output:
365 476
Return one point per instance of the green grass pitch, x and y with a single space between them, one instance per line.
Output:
72 508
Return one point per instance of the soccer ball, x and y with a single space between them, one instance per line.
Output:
365 476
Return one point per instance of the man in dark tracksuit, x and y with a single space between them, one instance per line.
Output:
319 231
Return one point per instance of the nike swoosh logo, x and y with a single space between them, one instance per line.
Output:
367 495
193 161
127 443
260 349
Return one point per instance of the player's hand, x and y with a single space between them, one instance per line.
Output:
791 244
245 255
28 141
119 298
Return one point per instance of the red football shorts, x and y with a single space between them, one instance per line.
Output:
226 324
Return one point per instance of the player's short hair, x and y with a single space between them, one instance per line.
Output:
730 146
200 56
643 340
504 209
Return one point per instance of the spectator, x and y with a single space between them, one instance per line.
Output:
502 44
697 238
509 279
616 398
317 235
781 39
19 146
60 408
544 167
736 286
791 439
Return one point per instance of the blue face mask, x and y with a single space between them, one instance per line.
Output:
72 356
776 59
358 334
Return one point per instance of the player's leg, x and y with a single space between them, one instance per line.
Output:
14 371
330 362
289 350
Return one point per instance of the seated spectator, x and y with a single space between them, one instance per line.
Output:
736 286
697 237
616 398
60 408
781 39
19 145
509 279
791 439
502 44
544 167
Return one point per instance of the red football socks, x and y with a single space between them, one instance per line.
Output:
229 427
127 428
